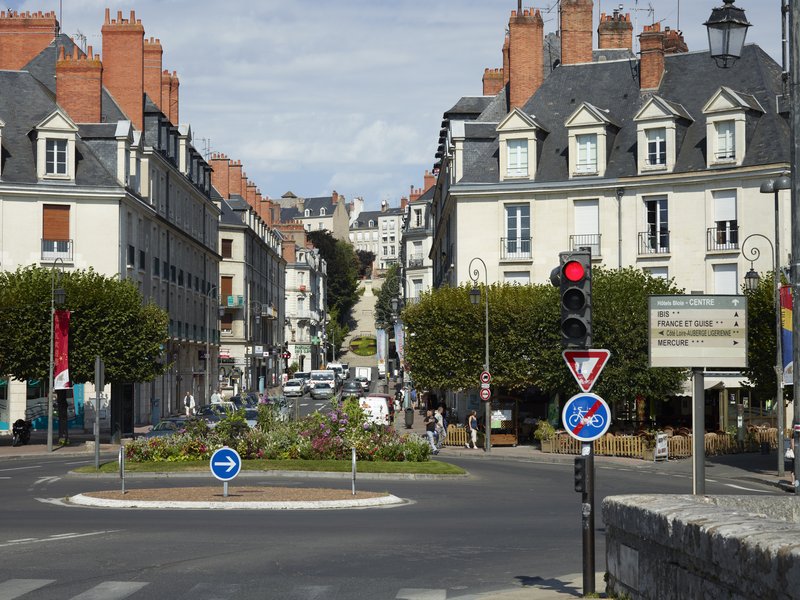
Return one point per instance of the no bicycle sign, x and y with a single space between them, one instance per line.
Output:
586 417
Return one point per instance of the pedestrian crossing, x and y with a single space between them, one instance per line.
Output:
23 589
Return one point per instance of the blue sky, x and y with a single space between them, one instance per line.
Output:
345 95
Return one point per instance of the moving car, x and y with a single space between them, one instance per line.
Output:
322 390
305 377
167 427
294 387
352 388
364 382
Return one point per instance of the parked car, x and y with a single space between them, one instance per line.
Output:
214 413
352 388
294 387
322 390
245 400
305 377
168 426
378 408
364 382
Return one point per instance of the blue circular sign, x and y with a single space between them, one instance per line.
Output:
586 417
225 463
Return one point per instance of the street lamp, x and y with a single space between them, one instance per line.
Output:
727 29
751 281
57 297
259 310
210 294
792 11
475 298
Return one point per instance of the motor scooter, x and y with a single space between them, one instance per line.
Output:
21 432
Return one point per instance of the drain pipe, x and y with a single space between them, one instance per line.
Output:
620 194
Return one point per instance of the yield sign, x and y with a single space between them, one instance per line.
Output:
585 365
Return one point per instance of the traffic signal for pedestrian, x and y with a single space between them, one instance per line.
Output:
575 282
580 473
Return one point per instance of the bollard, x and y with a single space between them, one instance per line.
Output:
354 470
122 466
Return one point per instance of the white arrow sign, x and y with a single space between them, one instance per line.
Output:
230 463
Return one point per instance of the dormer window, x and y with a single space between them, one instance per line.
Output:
307 212
55 157
55 147
656 147
518 134
588 129
658 124
322 212
727 113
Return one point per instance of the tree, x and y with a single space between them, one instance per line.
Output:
336 332
342 266
390 289
761 343
108 319
445 345
365 260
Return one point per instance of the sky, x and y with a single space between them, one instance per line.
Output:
320 95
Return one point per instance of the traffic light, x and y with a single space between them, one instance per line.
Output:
580 473
575 282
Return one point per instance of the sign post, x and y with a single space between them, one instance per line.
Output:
698 331
586 417
225 465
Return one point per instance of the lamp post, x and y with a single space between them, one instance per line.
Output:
259 308
475 298
751 281
57 296
737 24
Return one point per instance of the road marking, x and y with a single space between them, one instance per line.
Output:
111 590
213 591
421 594
739 487
22 468
14 588
54 538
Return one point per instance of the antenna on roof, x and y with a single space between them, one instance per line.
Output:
81 39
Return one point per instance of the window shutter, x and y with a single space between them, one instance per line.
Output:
587 217
227 288
725 205
55 222
227 248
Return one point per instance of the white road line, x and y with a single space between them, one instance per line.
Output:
111 590
14 588
213 591
421 594
22 468
55 538
739 487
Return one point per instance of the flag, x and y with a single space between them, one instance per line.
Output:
786 333
61 350
399 339
382 341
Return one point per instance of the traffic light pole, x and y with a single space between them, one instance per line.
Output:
587 520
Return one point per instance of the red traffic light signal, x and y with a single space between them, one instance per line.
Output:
575 282
574 271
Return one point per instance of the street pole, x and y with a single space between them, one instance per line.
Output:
794 81
779 407
474 274
50 391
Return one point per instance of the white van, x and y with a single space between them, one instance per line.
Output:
376 408
326 375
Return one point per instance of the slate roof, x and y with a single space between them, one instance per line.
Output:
690 80
290 214
363 219
228 215
24 103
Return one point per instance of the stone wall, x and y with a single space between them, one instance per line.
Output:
671 547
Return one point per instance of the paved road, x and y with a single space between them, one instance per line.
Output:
512 523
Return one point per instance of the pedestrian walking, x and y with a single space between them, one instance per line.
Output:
472 429
216 397
188 403
430 430
441 424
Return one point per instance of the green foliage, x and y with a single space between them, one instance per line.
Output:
336 332
445 345
365 260
761 338
544 431
391 288
108 319
342 265
364 346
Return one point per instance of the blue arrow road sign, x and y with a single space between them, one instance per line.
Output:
586 417
225 463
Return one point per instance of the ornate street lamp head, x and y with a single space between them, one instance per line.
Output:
751 280
727 30
475 296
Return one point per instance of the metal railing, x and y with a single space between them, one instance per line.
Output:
53 249
415 260
726 238
653 243
515 248
586 240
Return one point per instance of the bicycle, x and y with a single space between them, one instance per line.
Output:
578 417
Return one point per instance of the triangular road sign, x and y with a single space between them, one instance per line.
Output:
585 365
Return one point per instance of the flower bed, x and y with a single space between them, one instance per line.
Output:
323 435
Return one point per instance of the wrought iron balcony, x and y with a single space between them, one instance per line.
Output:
653 243
53 249
722 238
586 240
515 248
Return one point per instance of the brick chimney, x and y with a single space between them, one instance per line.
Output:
79 82
166 80
251 194
651 64
235 181
220 174
576 31
674 42
403 203
335 197
23 36
288 251
173 98
525 49
123 64
615 31
153 53
428 181
492 81
506 62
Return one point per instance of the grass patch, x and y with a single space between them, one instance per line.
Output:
431 467
364 346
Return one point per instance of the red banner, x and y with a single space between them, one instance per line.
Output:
61 350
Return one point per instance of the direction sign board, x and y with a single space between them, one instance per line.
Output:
486 377
697 331
225 463
586 365
586 417
485 394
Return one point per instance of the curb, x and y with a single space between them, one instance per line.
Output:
281 473
383 501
